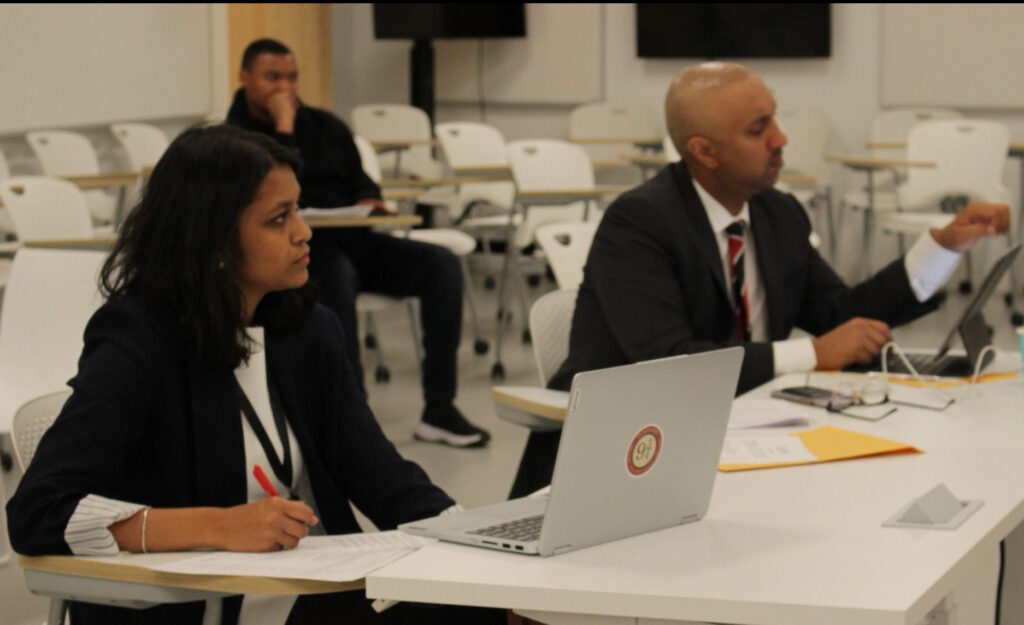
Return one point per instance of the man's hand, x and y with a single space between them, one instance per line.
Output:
282 106
858 340
378 206
975 221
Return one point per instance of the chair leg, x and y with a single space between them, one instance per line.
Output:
212 613
867 236
58 608
414 323
831 224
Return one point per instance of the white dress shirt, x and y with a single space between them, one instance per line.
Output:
928 265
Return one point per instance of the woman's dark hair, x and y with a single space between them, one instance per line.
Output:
179 251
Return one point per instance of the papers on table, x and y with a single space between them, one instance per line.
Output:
822 444
329 558
763 413
358 210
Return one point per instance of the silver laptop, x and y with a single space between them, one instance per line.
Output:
970 326
639 452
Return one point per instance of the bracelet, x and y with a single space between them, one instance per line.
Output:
145 519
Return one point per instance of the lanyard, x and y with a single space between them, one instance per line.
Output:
282 467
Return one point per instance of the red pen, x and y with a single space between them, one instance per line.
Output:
265 484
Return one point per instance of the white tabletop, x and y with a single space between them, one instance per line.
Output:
791 546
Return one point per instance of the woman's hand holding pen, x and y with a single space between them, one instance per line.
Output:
266 525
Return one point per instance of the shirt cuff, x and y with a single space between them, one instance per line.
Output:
452 509
794 355
929 266
88 529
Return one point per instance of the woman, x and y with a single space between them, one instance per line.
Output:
209 358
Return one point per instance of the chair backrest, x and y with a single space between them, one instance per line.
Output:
31 421
5 170
143 143
371 164
566 246
606 120
550 323
389 122
671 153
893 126
549 164
63 153
969 154
807 131
48 300
45 208
472 144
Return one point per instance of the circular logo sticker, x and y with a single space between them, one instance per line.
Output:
643 450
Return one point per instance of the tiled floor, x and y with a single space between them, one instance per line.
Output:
476 476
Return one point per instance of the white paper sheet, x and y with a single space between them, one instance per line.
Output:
329 558
358 210
763 449
764 413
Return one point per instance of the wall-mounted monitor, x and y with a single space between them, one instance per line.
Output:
448 20
723 30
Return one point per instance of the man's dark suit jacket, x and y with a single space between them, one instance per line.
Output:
145 426
654 286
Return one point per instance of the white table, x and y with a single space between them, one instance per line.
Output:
793 546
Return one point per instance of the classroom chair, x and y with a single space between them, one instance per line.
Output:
62 153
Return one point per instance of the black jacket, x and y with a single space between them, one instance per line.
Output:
653 285
145 426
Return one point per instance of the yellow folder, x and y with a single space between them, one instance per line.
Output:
828 443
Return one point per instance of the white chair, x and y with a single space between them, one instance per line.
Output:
807 131
45 208
143 143
969 157
610 120
31 421
541 165
566 246
397 122
550 324
6 227
888 138
63 153
458 243
671 153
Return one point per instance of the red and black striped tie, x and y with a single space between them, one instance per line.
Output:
739 288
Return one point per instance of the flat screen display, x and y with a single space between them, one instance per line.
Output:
448 20
723 30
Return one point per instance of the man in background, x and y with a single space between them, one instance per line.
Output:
345 261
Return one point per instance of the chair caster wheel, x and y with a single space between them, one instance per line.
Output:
533 280
481 346
526 337
1008 298
381 375
490 283
498 372
966 287
370 341
1016 319
504 315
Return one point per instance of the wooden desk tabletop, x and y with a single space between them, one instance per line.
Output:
106 180
651 142
645 160
483 170
870 162
532 400
571 194
102 242
391 183
400 194
400 144
96 568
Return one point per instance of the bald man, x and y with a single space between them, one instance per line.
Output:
706 254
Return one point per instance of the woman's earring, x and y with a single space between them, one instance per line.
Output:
220 265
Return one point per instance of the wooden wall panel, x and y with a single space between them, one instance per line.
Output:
305 28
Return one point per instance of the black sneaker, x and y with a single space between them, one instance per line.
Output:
443 423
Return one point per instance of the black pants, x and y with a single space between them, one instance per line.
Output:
345 263
353 608
537 464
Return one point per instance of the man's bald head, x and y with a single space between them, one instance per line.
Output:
691 106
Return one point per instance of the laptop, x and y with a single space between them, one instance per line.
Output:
971 327
639 452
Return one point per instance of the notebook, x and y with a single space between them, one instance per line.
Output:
970 326
639 452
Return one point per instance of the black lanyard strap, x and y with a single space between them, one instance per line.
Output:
282 467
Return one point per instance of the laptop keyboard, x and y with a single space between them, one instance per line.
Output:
925 364
524 530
